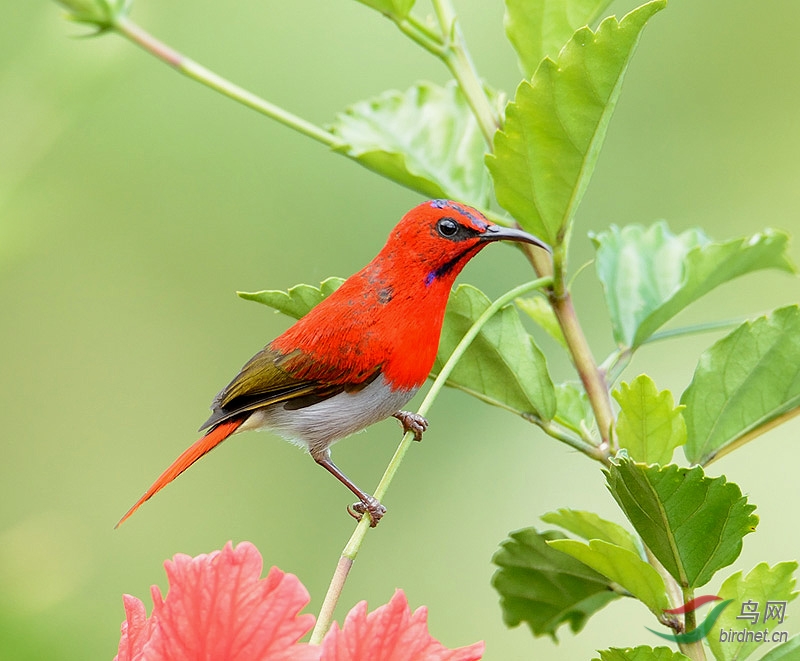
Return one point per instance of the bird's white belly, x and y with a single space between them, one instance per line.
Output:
317 426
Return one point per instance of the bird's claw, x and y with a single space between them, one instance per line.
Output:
372 507
412 422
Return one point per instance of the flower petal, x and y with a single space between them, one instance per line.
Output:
136 630
390 633
218 607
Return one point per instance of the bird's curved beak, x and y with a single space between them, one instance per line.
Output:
499 233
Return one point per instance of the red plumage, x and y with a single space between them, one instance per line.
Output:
191 454
362 353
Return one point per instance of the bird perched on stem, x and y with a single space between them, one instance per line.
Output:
361 354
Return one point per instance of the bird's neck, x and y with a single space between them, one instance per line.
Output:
409 298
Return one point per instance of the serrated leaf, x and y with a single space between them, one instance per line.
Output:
540 28
503 366
547 149
545 588
649 425
763 584
573 408
622 566
651 274
298 300
591 526
538 309
692 523
743 385
399 8
641 653
425 138
788 651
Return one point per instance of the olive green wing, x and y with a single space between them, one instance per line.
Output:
267 379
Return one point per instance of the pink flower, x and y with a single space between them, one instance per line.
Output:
219 609
390 633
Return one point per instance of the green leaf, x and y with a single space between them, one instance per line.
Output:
398 8
649 426
590 526
538 309
425 138
641 653
296 302
651 274
503 366
539 28
763 584
621 566
692 523
547 149
743 385
573 409
788 651
545 588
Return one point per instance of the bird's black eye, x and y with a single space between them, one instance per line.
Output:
447 227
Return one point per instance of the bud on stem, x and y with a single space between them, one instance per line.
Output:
103 14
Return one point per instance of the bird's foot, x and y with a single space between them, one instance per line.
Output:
371 507
412 422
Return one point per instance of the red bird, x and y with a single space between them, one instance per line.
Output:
361 354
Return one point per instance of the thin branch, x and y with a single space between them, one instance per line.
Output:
592 378
353 545
562 433
199 73
454 53
695 650
424 37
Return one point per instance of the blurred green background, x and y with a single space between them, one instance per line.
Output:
134 203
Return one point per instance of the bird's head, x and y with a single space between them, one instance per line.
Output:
441 236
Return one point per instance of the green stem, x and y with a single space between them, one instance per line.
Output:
458 60
616 362
678 596
453 54
353 545
591 377
199 73
420 34
694 329
566 436
694 650
577 439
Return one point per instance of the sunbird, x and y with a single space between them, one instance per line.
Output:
361 354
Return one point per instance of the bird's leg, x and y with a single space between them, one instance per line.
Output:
368 504
412 422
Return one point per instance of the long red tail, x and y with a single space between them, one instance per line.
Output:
203 445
